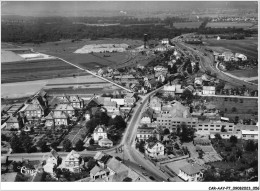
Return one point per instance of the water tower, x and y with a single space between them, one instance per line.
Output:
145 40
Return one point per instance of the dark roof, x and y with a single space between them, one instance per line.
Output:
105 159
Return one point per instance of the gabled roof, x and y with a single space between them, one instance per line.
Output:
191 169
49 116
116 166
73 154
33 107
209 88
99 155
102 127
61 115
54 153
12 120
152 144
95 170
110 103
64 107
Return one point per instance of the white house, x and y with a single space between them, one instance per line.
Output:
100 132
165 41
119 101
208 90
155 104
249 135
240 56
72 161
154 149
105 142
160 69
191 173
169 89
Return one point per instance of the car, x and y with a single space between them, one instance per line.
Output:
141 167
152 178
144 173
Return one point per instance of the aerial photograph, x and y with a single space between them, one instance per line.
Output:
129 91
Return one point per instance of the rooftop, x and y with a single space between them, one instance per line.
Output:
191 169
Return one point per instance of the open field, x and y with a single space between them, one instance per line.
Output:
66 48
187 25
246 46
229 24
7 45
17 90
244 73
243 106
36 70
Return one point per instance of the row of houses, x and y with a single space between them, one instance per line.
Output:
229 56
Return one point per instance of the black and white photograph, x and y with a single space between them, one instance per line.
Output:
162 94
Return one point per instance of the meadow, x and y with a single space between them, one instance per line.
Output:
229 24
36 70
187 25
244 73
246 46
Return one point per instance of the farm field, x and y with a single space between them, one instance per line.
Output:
66 48
187 25
246 46
229 24
36 70
245 73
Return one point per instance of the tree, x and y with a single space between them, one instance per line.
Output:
217 136
118 122
127 179
187 95
91 141
233 139
234 109
141 146
166 131
43 146
79 145
239 153
16 145
91 163
250 146
67 145
187 133
223 129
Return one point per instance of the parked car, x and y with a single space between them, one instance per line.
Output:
152 178
144 173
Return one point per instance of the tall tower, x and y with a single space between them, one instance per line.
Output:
145 40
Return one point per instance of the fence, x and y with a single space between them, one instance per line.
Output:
173 159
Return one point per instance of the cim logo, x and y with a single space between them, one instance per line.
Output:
27 171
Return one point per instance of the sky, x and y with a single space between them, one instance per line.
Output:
80 8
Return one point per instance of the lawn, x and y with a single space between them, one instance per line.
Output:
187 25
229 24
36 70
244 73
246 159
246 46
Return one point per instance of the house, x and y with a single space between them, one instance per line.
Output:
63 99
129 99
58 118
213 127
143 133
191 173
12 123
33 110
249 135
160 48
227 56
66 108
76 101
160 69
240 56
119 101
87 115
99 173
190 88
154 149
73 161
165 41
208 90
100 72
105 142
110 106
51 161
156 104
147 116
169 89
100 132
198 81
